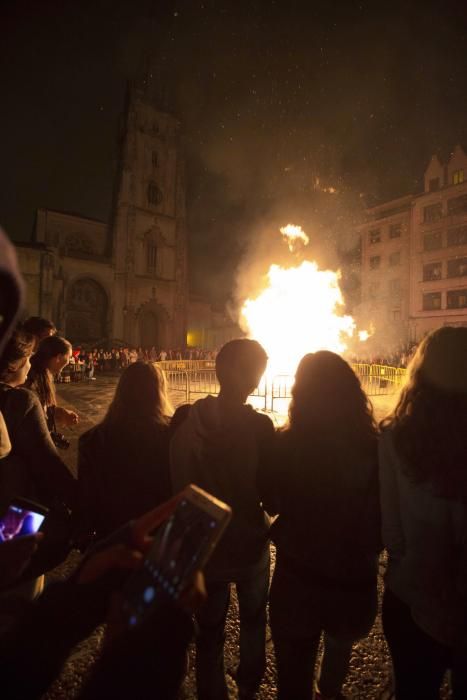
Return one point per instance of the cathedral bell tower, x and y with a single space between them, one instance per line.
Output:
149 243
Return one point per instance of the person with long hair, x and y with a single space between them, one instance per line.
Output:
33 468
423 476
51 356
322 481
123 462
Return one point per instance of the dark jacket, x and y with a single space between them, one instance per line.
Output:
328 505
34 468
220 452
426 539
122 473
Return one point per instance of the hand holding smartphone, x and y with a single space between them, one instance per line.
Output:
182 545
22 518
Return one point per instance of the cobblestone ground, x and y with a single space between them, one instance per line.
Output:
370 668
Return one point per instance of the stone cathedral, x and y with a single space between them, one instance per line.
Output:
126 280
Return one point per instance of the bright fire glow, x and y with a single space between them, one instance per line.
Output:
299 311
292 234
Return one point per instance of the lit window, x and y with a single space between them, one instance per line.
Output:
395 259
457 267
432 271
375 262
457 299
457 177
432 301
375 236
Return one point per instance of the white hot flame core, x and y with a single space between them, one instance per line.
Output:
299 311
292 234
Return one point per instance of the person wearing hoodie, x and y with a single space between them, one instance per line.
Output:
219 444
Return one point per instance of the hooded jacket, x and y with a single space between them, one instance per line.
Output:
219 449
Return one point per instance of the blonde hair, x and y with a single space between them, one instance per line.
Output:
141 394
429 422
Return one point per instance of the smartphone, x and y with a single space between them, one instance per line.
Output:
182 545
22 517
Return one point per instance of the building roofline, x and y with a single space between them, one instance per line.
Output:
404 199
74 214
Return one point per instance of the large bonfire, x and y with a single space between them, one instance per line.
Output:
300 310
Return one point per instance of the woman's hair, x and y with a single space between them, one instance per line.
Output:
17 349
141 395
429 422
328 404
39 378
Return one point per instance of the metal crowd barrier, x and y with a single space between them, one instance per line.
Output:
186 365
378 380
194 377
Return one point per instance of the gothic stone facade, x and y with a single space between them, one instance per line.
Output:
125 281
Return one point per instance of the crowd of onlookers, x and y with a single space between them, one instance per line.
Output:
86 363
397 357
331 490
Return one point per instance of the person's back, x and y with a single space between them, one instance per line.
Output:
423 477
219 446
328 505
123 463
323 484
123 472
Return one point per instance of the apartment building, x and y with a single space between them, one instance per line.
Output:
385 265
438 255
414 256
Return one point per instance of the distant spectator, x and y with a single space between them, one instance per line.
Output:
39 327
52 355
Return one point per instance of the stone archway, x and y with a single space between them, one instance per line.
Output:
86 311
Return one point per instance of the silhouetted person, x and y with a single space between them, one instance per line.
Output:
323 483
52 354
219 447
423 475
39 327
123 462
34 468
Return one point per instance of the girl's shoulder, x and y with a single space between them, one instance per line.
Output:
21 398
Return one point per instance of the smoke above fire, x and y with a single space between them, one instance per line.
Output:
300 309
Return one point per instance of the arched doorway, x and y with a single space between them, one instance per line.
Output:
153 320
86 311
149 330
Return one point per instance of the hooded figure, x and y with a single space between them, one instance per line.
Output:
218 445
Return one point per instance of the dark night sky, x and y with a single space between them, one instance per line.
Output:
271 95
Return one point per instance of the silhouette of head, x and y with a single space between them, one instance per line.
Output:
441 360
240 365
